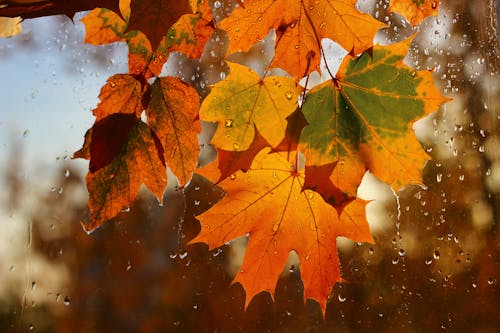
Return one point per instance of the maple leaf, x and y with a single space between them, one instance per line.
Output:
10 26
122 93
300 26
155 17
415 11
191 32
367 113
228 162
269 204
243 102
103 26
173 114
122 165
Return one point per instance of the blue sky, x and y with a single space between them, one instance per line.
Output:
47 91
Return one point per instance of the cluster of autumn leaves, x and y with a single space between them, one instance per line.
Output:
290 158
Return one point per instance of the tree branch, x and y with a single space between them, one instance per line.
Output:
39 8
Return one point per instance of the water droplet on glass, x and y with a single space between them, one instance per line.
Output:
401 252
217 4
436 255
183 255
228 123
341 298
289 94
232 177
67 301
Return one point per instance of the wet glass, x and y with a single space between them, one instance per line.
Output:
434 266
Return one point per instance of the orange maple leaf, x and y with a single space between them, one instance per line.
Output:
155 17
188 34
366 115
300 26
122 93
103 26
173 114
269 204
415 11
124 153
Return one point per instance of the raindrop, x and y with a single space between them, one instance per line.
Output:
289 94
129 266
26 133
395 260
232 177
66 173
439 177
33 285
341 298
428 261
183 255
217 4
491 281
436 255
67 301
228 123
31 327
401 252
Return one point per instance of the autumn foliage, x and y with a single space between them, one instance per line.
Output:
289 184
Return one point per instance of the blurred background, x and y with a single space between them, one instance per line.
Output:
434 267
